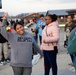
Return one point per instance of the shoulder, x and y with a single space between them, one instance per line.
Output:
29 34
54 27
74 30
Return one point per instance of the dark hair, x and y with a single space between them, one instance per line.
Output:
41 15
70 16
53 17
17 23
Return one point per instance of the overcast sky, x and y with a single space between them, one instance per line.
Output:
14 7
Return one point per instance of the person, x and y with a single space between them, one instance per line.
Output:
50 38
71 47
74 19
21 48
32 28
40 25
3 48
68 28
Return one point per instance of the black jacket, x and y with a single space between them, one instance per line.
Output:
2 39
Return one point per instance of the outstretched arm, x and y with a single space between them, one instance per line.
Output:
3 27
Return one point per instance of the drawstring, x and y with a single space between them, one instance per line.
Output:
47 35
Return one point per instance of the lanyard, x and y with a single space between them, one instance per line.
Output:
47 36
46 31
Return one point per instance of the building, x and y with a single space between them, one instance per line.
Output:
33 15
71 12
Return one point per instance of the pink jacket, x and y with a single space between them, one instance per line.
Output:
51 36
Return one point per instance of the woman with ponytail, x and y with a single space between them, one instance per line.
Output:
50 38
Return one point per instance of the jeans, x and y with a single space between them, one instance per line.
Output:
50 61
72 58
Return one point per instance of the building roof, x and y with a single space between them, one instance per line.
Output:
33 15
71 11
59 12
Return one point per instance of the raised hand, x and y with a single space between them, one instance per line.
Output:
5 15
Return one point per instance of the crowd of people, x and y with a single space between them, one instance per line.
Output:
24 43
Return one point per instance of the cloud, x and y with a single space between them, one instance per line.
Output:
39 1
51 1
66 1
58 1
48 1
14 7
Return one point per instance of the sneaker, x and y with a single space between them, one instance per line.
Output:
4 62
65 46
1 63
71 68
71 64
8 61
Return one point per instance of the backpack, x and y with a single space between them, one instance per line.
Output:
72 46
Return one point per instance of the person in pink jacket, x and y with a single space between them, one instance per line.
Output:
50 38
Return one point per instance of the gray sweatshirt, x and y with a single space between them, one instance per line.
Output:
21 47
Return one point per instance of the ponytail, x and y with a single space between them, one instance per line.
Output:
53 17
